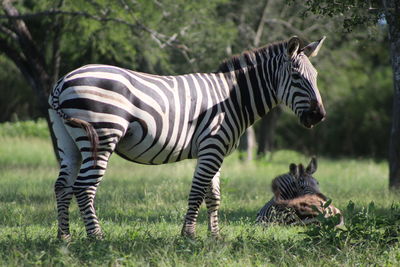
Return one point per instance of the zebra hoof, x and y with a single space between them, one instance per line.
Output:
188 233
95 236
64 237
215 236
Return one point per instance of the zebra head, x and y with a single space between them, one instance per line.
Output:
299 181
300 92
306 183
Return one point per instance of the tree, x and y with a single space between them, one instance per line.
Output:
358 12
17 43
392 15
145 35
266 131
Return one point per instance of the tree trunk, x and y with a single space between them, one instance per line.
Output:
248 141
251 142
392 15
30 60
266 133
247 144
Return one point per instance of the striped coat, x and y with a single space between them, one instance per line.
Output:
97 110
297 198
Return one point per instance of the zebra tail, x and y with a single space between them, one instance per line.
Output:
91 134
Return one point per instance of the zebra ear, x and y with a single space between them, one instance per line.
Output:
293 170
311 50
312 166
293 46
301 170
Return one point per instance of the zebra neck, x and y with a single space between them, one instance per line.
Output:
286 195
254 91
255 77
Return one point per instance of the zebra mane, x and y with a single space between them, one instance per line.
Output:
248 56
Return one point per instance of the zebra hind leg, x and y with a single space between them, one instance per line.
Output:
213 200
89 177
69 166
96 147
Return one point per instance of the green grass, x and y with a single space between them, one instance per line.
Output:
141 209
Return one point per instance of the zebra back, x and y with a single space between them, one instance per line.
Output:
305 208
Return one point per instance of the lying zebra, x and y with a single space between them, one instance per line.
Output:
297 198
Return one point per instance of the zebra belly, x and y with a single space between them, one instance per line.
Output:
142 146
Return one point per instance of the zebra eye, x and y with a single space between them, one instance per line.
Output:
296 76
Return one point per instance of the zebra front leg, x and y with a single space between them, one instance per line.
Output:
206 170
213 200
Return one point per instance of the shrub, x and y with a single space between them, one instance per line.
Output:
25 129
363 227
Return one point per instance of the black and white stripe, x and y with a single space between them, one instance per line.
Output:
294 184
297 199
149 119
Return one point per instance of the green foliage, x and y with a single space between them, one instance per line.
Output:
162 38
15 94
25 129
354 12
363 228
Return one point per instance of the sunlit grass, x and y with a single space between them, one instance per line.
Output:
141 210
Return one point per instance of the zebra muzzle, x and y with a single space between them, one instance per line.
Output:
315 114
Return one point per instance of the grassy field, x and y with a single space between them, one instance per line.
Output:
141 209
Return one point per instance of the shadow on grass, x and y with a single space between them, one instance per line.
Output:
174 216
144 247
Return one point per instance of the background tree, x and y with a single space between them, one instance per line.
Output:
138 35
18 44
392 15
175 37
356 13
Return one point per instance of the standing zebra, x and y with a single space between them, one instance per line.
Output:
297 197
149 119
